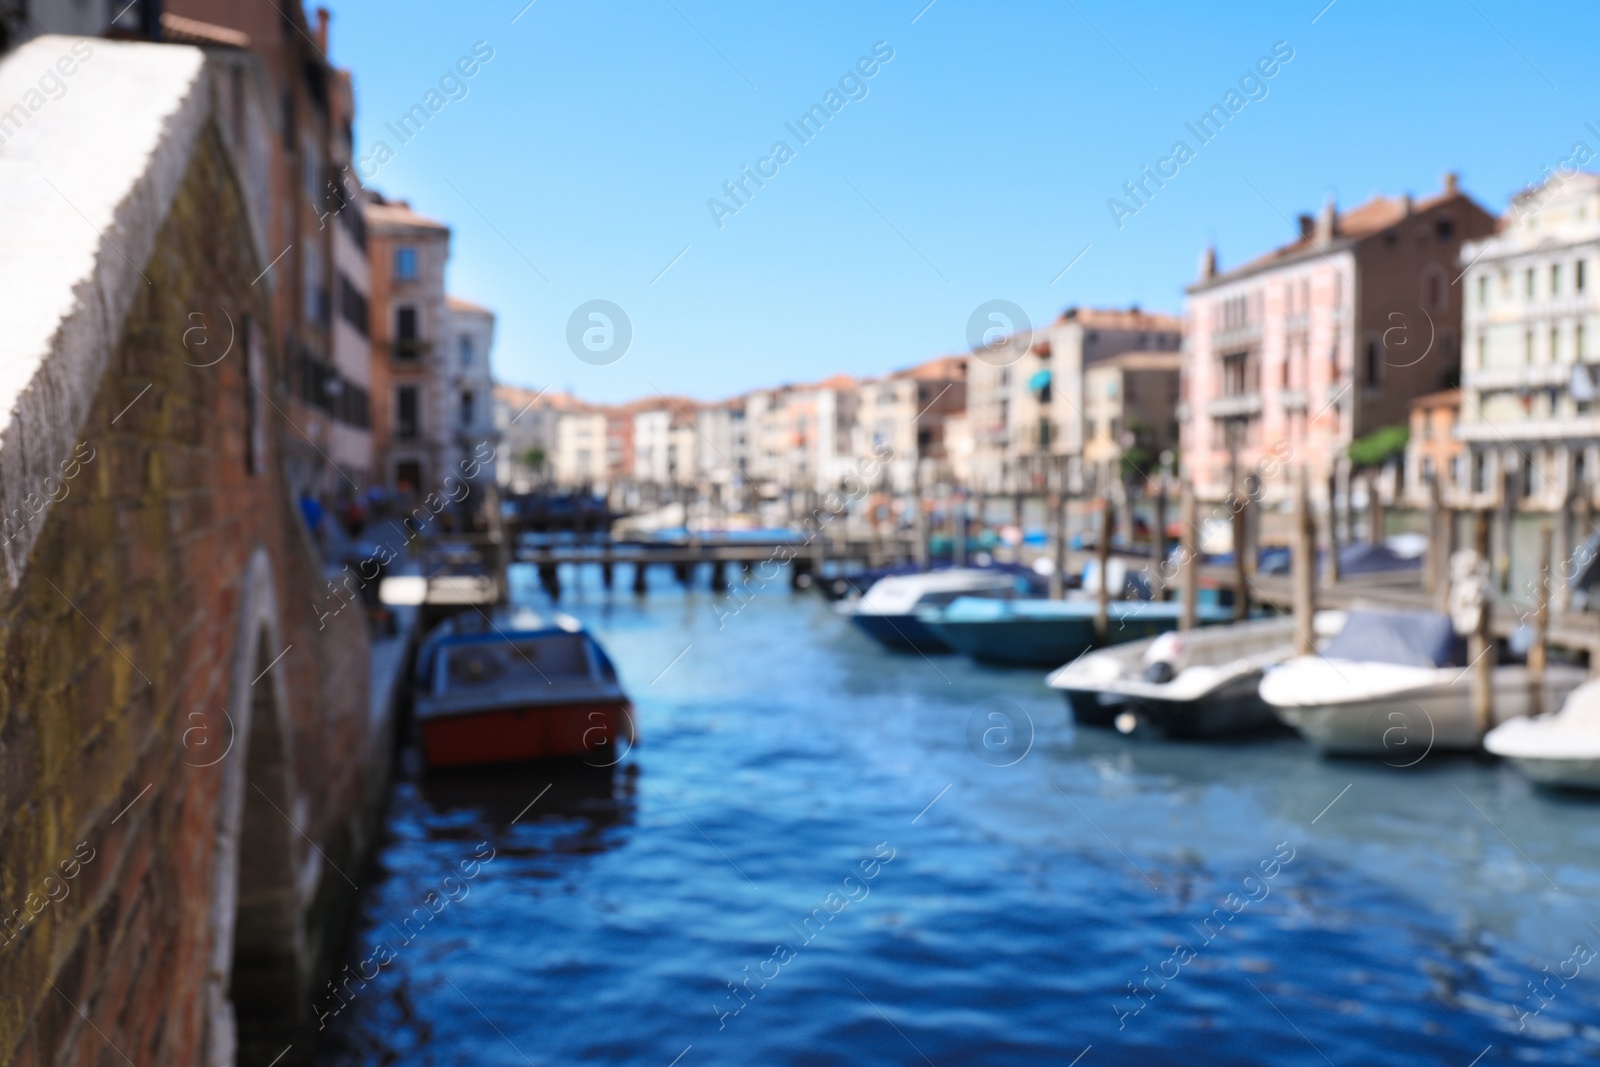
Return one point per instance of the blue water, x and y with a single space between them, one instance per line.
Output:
1036 872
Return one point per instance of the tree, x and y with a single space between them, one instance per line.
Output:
1378 447
533 458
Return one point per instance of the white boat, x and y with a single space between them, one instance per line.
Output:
1203 683
887 612
1560 750
1397 684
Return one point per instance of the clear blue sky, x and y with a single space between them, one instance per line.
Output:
976 168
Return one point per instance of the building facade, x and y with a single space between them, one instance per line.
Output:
413 428
1529 380
1130 403
473 444
1296 354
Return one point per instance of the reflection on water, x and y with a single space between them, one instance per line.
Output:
708 900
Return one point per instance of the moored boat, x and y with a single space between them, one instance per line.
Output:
1561 751
1033 632
1203 683
1397 684
519 687
887 612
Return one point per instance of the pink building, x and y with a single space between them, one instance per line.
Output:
1295 354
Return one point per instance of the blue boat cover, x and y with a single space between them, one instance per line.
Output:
1406 638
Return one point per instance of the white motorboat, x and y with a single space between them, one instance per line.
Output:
1203 683
887 612
1560 750
1397 684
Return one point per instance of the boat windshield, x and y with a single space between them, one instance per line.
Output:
537 661
1411 639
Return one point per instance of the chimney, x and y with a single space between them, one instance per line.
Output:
322 30
1208 263
1308 227
1451 179
1405 204
1327 222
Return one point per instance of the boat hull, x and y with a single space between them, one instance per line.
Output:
900 633
1407 725
598 732
1559 773
1032 641
1233 708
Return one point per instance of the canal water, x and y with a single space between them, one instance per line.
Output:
822 853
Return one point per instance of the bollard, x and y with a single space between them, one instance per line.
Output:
719 576
606 576
640 585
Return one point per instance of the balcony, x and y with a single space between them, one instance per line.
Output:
1245 336
1501 431
1293 399
410 353
1238 406
1525 376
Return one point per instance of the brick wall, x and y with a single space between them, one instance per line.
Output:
161 585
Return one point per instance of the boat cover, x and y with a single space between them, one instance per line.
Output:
1403 638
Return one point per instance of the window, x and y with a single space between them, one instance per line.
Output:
465 346
405 412
1527 347
1555 279
1445 230
405 263
1577 343
1483 350
1483 290
405 332
468 403
1529 283
1555 344
1374 363
1433 288
1577 276
407 475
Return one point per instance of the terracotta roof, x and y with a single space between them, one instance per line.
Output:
398 213
1141 360
1122 319
175 29
1365 220
837 381
937 369
1443 398
456 303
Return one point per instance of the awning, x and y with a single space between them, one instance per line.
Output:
1039 382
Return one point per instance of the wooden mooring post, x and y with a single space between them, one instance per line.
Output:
1189 562
1537 653
1241 553
1304 564
1102 611
1330 574
1158 536
1480 648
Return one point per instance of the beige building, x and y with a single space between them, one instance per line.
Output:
1025 403
1529 381
1130 405
580 454
904 416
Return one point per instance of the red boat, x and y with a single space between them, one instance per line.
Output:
519 687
